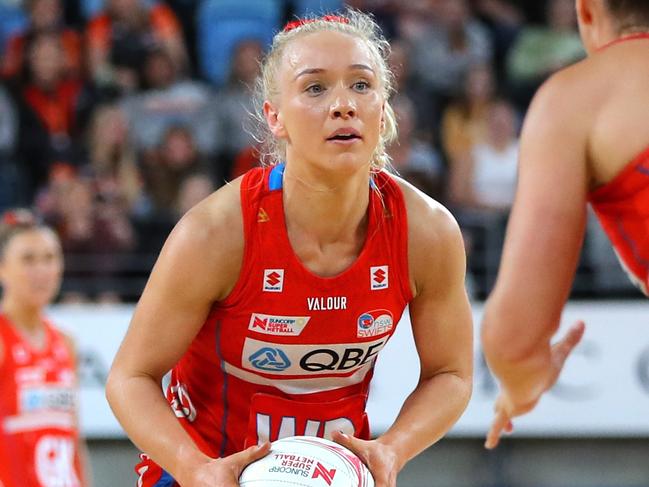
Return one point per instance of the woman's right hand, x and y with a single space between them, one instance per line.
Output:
225 472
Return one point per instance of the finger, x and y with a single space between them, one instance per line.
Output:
497 426
509 427
345 440
243 458
566 345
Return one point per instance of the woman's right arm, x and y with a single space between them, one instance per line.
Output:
198 265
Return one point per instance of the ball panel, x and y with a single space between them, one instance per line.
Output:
307 462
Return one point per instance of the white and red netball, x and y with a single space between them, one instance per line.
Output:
305 461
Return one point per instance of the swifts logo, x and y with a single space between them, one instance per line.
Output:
374 323
378 277
273 280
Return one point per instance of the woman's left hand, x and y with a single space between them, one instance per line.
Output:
380 459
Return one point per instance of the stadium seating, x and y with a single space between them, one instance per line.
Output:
222 24
304 8
12 20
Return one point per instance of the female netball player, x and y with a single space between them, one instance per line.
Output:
586 139
39 439
272 298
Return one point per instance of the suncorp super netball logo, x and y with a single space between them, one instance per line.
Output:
374 323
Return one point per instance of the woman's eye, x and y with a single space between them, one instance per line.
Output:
361 85
314 89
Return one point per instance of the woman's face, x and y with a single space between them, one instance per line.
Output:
46 60
31 267
330 104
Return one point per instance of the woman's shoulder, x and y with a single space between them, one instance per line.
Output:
218 212
427 218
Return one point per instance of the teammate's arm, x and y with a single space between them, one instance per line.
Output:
442 327
198 265
541 252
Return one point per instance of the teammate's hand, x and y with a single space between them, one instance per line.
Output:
505 408
380 460
225 472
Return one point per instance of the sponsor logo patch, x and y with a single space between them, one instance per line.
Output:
326 474
310 359
378 277
273 280
374 323
278 325
270 359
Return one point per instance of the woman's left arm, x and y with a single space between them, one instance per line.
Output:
441 320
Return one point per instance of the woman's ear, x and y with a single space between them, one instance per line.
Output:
274 120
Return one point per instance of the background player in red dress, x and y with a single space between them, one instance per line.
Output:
272 298
39 438
585 139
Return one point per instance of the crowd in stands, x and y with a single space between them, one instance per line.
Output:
116 116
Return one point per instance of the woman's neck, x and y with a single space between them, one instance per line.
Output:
27 318
328 209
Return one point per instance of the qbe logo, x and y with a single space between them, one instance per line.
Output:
273 280
378 277
374 323
271 359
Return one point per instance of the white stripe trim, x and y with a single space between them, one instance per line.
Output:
299 386
36 421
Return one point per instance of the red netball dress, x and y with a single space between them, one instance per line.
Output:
622 207
38 432
288 352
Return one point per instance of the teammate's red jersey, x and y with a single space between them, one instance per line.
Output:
38 433
288 352
622 207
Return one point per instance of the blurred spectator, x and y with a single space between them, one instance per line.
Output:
120 37
504 20
235 100
425 109
464 121
94 230
487 179
111 156
9 183
245 160
541 50
50 104
164 171
45 16
170 100
414 160
454 42
164 168
193 189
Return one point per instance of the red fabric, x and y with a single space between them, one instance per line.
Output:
38 435
56 109
630 37
622 207
276 358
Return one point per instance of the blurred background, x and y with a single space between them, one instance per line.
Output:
116 116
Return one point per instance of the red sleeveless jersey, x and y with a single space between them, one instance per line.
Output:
38 433
288 352
622 207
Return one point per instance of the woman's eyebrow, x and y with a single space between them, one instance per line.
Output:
321 70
